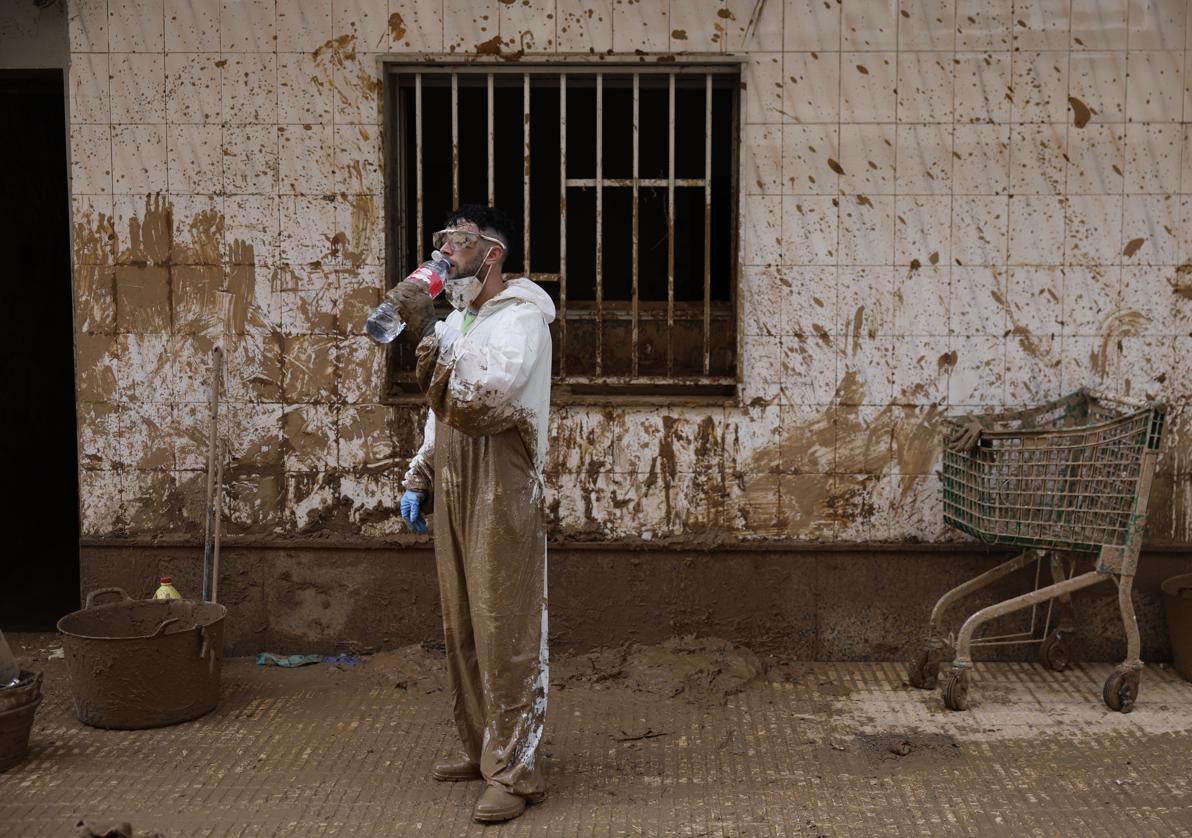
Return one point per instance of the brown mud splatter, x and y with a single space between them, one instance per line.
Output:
1080 111
1132 247
397 27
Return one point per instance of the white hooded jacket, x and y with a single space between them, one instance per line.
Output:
495 377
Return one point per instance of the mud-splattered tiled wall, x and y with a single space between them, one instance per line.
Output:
946 204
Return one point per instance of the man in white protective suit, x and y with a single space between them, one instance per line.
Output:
486 372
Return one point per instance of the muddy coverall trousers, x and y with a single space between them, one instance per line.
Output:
490 550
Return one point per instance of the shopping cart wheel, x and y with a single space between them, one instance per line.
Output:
1121 690
923 672
955 687
1056 652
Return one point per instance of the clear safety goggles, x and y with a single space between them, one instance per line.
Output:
459 238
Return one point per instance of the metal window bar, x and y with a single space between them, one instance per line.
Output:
563 226
599 183
599 225
670 227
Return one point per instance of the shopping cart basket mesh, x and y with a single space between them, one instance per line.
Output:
1064 475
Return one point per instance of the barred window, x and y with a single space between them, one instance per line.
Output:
623 181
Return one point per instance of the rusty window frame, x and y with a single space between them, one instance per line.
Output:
712 381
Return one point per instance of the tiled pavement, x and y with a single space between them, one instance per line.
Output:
807 751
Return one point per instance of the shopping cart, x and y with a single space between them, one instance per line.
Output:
1062 480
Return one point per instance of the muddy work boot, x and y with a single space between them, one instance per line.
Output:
452 771
497 805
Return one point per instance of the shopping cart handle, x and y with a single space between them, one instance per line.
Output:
966 438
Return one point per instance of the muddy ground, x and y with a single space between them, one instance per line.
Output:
688 737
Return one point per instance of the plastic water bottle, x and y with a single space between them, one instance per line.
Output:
167 589
10 672
385 324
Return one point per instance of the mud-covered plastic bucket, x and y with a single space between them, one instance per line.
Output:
17 707
1177 596
143 663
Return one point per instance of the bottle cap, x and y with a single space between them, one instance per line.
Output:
167 580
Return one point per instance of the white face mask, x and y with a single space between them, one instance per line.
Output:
461 291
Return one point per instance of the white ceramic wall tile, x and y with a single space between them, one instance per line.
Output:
982 159
809 305
808 369
1149 225
193 88
1036 229
250 159
248 25
366 22
304 26
763 292
360 230
921 301
978 377
1034 302
303 89
809 90
1146 304
139 159
977 301
925 86
762 357
195 158
979 227
811 26
529 27
415 25
762 230
1157 24
867 230
765 32
809 229
762 151
806 150
1097 80
868 84
927 25
867 156
1091 296
920 370
923 230
1094 230
136 25
865 371
925 160
870 24
307 225
87 24
865 303
249 86
1099 24
1154 86
1153 157
1040 81
358 164
254 221
695 26
138 88
641 26
984 24
1096 159
983 86
1148 368
191 25
1089 362
584 27
1041 24
356 92
305 160
88 91
1037 153
1033 372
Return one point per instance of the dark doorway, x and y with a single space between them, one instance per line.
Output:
39 561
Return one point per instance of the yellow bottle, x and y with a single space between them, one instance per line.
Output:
167 589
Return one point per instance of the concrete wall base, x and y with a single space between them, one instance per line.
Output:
805 604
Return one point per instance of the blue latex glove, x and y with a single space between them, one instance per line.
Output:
411 511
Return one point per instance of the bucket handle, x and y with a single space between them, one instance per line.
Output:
161 627
206 649
100 591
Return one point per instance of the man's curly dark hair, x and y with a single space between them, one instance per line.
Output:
490 220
